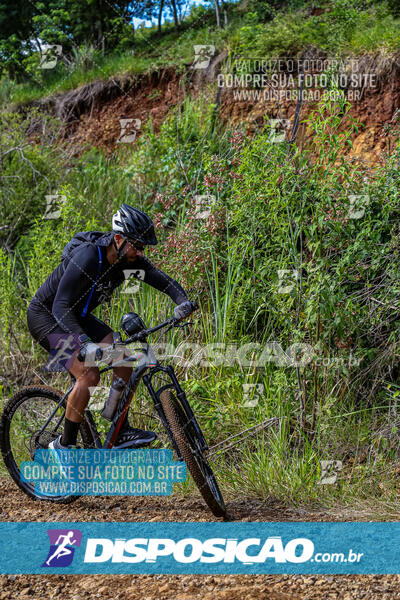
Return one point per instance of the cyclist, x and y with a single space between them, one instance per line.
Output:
92 266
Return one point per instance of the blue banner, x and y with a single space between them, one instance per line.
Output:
190 548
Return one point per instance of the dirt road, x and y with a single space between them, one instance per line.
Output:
15 506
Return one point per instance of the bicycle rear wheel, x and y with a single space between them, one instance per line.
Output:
185 437
24 415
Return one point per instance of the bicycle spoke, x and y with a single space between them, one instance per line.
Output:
24 417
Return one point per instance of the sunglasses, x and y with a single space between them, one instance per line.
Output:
137 245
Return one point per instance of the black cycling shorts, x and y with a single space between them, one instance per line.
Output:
41 323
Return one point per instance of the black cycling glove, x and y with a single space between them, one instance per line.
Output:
185 309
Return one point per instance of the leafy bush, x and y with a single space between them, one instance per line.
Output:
29 171
6 86
84 58
277 212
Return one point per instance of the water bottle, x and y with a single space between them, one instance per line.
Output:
113 398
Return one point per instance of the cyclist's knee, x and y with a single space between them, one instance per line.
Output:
89 378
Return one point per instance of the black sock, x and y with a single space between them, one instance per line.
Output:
70 433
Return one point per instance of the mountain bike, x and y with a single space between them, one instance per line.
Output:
32 418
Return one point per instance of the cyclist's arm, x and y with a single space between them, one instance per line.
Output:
75 286
161 281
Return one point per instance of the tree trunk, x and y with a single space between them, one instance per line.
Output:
175 13
160 15
225 14
218 15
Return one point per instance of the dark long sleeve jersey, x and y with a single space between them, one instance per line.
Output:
66 291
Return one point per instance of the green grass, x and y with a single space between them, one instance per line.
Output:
381 34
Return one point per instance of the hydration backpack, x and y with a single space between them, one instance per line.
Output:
79 239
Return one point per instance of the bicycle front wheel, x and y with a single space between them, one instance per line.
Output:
185 437
23 417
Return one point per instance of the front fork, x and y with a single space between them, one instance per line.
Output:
182 399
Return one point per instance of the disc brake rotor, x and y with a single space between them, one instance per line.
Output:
37 442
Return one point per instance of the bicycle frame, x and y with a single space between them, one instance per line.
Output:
150 363
173 410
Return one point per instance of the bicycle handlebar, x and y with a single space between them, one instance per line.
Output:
142 335
145 332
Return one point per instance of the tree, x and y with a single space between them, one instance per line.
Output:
26 26
218 14
15 35
160 10
175 13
